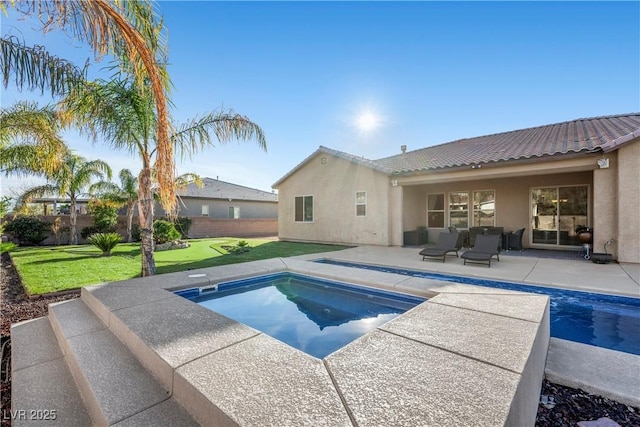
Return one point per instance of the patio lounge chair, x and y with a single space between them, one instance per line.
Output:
486 247
447 242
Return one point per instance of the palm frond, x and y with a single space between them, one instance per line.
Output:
37 192
225 126
131 31
33 68
29 138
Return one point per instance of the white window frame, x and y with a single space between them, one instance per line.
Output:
304 212
234 212
361 203
205 210
443 210
452 210
473 208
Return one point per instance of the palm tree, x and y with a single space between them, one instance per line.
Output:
126 195
131 30
125 117
30 138
69 180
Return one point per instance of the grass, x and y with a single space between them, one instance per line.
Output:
52 269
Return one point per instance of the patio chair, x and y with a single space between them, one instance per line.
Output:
473 233
447 242
514 240
463 236
486 247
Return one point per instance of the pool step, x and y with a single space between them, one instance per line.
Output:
41 379
103 379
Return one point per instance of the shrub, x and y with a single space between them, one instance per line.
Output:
88 231
59 231
164 231
7 247
28 229
240 248
182 225
105 242
135 232
105 215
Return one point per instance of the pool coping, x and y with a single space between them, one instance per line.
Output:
225 373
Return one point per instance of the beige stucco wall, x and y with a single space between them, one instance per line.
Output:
333 185
512 197
628 241
605 206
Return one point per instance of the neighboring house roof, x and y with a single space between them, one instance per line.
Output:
216 189
596 134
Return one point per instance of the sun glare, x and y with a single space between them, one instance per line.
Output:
367 122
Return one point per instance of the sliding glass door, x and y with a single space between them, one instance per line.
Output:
556 212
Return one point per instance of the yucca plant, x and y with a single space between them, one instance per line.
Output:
105 242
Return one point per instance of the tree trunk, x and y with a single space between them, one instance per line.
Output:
145 214
130 208
73 219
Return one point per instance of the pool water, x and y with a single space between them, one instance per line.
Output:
602 320
314 315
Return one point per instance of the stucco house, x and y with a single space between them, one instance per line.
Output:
220 199
548 179
220 208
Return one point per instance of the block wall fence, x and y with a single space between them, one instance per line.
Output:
200 227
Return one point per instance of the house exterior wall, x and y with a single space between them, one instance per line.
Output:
219 208
606 205
333 183
628 241
512 199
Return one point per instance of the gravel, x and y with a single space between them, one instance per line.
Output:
560 406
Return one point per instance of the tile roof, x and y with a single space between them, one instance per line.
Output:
594 134
340 154
216 189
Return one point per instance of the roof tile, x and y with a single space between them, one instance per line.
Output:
581 135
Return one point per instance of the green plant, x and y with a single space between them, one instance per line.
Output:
135 233
88 231
240 248
105 215
5 205
164 231
28 229
105 242
59 230
7 247
183 224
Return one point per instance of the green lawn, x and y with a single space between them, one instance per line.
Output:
52 269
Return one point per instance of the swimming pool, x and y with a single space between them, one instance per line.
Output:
314 315
602 320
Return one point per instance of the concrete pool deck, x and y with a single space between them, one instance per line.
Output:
603 372
131 353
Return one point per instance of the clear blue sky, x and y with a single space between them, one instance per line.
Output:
427 72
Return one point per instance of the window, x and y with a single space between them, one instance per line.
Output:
304 209
234 212
361 203
459 209
435 210
557 212
484 208
205 210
